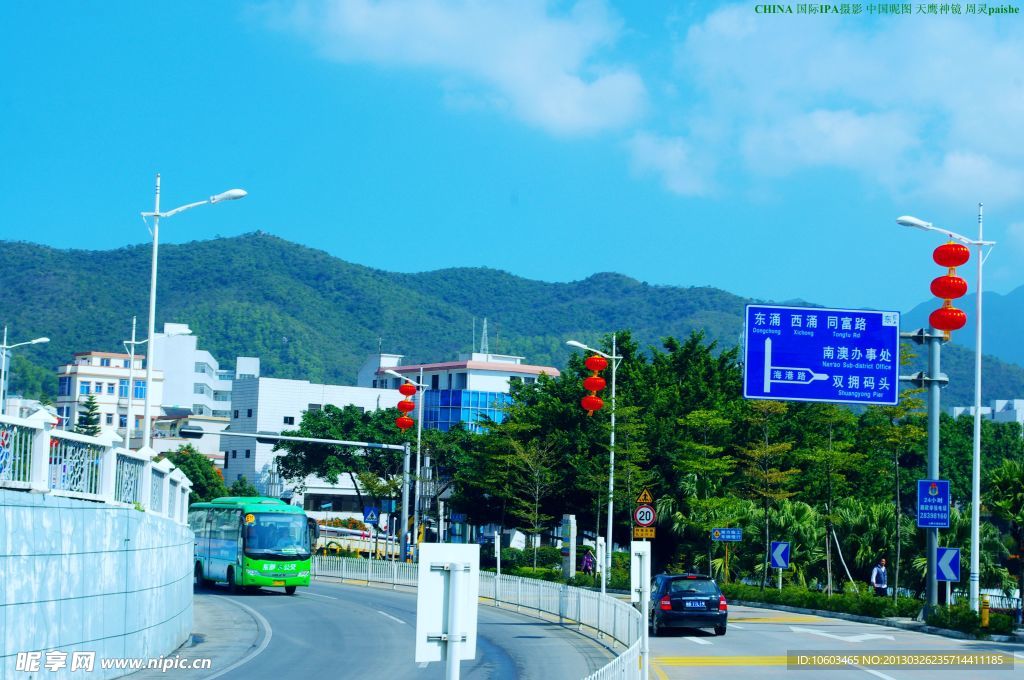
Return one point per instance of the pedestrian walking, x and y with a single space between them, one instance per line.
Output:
588 563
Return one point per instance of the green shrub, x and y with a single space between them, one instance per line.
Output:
864 603
584 580
547 556
1000 624
958 617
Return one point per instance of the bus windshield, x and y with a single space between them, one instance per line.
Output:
277 535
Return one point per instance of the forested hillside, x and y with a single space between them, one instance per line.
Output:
310 315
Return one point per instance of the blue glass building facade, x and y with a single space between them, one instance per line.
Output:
444 408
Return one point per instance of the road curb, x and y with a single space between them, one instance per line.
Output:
904 624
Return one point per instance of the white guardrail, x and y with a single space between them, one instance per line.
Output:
35 456
620 623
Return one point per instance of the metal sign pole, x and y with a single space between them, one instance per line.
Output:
934 367
645 599
451 660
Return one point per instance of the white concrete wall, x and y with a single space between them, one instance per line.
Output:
79 576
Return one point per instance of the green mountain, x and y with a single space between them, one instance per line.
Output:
309 315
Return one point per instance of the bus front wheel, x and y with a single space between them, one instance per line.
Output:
290 590
232 585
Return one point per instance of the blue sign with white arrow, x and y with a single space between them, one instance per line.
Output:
947 566
933 503
371 514
780 555
817 354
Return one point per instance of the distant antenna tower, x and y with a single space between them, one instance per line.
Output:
484 345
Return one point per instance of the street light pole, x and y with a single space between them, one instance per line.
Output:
229 195
614 359
5 350
131 375
419 440
980 243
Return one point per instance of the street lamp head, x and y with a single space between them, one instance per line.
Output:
229 195
576 343
38 341
908 221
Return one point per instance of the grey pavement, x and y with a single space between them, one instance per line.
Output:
222 631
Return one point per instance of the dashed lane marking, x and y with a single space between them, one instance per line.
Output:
393 618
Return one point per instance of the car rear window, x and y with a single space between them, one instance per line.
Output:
687 586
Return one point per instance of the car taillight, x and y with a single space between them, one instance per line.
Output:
666 603
723 606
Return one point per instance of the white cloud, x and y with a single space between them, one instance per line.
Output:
1015 237
671 160
545 69
923 106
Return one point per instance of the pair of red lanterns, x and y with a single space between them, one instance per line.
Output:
406 406
949 287
594 384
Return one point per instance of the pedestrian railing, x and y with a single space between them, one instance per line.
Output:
615 621
35 456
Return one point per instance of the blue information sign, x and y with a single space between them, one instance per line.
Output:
371 514
816 354
727 534
933 503
947 566
780 555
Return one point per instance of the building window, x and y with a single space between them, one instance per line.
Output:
122 388
110 419
236 413
289 420
314 407
83 387
110 388
435 381
127 363
234 454
248 413
238 476
123 421
64 387
226 461
140 389
247 452
104 362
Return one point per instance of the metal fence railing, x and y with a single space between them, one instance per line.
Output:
34 456
15 453
615 620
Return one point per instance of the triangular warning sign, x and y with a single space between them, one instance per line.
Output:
644 497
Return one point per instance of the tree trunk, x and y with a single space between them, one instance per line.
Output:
899 539
767 547
839 550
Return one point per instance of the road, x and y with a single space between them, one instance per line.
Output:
348 631
758 641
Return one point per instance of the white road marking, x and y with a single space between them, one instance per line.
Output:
393 618
319 595
697 640
423 664
736 626
844 638
883 676
269 633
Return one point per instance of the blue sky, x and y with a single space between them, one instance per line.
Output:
682 143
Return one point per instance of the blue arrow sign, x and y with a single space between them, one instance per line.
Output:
727 534
371 514
780 555
817 354
947 567
933 504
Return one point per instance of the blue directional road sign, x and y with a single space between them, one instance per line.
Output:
727 534
780 555
933 504
371 514
814 354
948 565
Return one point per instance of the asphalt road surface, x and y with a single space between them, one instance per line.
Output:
349 631
759 641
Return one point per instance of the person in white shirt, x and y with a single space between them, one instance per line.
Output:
879 579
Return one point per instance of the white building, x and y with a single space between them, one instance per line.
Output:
998 410
470 390
105 376
193 378
274 404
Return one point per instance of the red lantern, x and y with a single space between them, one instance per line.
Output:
590 403
596 363
948 318
948 287
403 422
408 389
406 405
594 383
951 255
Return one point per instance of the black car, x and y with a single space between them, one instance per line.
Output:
687 601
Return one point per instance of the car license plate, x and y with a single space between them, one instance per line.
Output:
694 604
278 583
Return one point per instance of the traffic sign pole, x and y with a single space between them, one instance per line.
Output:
934 405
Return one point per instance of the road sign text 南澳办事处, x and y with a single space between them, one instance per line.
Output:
821 354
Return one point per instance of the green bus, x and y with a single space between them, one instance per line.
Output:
250 541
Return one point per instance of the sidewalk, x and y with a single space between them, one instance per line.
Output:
222 631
